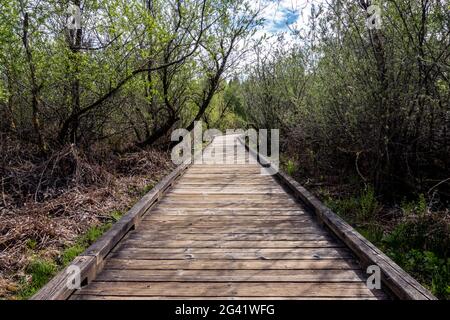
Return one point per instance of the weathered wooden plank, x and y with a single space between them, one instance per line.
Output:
215 254
228 214
292 276
229 211
169 235
227 225
228 231
394 277
200 221
223 175
141 243
102 297
274 226
231 160
224 186
224 218
110 239
256 198
199 204
336 264
234 179
223 182
226 190
312 253
220 289
233 229
225 170
228 166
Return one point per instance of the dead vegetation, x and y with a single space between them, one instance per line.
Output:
48 201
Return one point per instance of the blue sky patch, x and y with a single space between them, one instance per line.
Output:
286 18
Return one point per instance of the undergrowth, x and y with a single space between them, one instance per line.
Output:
40 270
290 167
417 240
413 233
54 206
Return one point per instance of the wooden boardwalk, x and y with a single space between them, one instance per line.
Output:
228 232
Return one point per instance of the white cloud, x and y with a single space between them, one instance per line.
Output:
280 14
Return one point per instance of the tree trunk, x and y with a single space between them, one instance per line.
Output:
35 88
74 41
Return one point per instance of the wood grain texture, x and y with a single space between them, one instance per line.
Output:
228 232
91 261
230 289
127 264
397 281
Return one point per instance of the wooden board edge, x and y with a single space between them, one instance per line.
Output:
399 282
58 287
91 261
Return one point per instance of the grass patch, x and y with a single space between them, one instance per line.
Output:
359 210
147 188
88 238
116 215
289 166
40 271
31 244
70 253
418 207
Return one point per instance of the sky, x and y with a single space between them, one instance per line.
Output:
279 15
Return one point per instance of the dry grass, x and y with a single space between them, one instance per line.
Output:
47 204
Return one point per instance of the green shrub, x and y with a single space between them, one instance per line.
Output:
359 209
372 232
427 268
346 207
427 233
422 206
368 205
418 206
420 245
